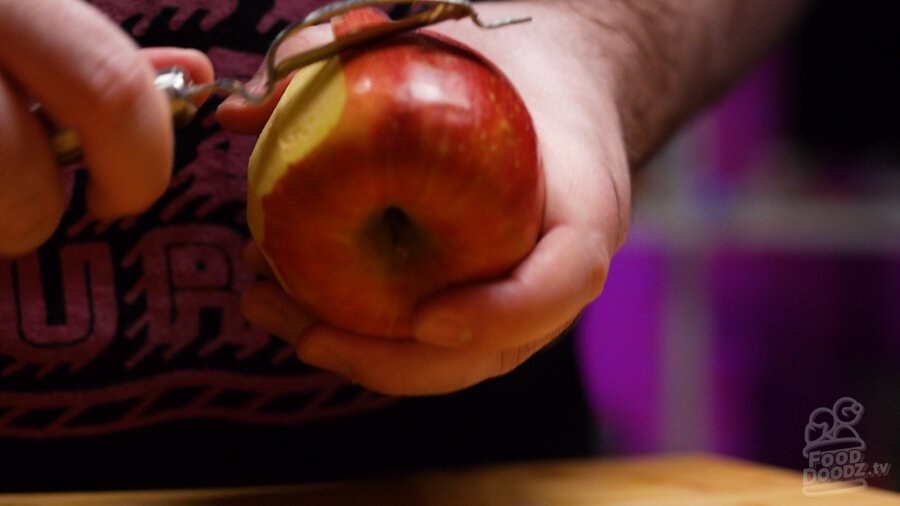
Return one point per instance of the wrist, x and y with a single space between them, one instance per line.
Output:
647 68
667 58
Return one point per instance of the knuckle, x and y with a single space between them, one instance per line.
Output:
118 83
621 190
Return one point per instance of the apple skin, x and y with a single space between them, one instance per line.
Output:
388 174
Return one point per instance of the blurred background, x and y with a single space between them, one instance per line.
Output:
761 278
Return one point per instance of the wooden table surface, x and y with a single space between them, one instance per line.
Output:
695 480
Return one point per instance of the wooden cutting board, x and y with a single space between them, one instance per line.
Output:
695 480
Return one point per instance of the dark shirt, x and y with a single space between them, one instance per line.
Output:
125 363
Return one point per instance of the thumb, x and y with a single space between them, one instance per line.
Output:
239 116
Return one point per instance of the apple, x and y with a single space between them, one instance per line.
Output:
390 173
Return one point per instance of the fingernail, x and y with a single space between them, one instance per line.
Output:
255 86
444 331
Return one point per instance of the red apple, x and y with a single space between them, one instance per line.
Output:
388 174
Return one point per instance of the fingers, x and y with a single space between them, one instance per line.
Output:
32 199
196 64
238 116
510 321
385 366
89 76
564 273
406 367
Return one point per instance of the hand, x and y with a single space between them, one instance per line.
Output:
91 77
498 325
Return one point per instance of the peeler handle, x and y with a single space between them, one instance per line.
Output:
173 82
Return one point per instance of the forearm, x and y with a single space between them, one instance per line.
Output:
664 59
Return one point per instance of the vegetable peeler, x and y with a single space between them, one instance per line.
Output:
179 90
